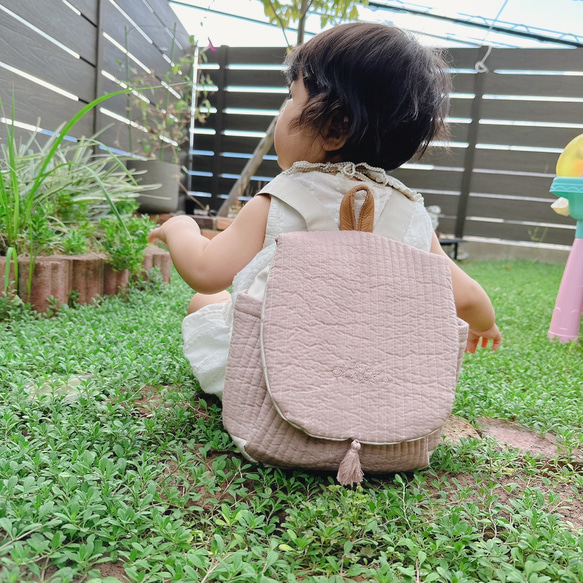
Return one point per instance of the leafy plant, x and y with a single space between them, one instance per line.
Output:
125 243
161 106
32 177
81 187
283 13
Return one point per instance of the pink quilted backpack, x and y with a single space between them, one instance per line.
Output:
351 359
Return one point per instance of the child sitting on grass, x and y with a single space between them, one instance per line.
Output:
364 99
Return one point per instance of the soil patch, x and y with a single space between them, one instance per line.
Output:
515 435
113 570
507 434
456 429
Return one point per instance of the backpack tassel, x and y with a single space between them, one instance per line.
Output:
350 471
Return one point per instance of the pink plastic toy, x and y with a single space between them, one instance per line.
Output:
569 185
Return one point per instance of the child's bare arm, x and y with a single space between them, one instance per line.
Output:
209 266
473 305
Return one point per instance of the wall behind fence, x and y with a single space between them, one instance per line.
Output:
509 125
56 57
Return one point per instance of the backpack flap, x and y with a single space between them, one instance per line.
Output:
359 337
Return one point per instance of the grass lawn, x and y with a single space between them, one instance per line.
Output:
113 467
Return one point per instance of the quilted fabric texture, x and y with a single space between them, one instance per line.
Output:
361 349
367 347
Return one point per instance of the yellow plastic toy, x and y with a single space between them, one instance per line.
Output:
570 162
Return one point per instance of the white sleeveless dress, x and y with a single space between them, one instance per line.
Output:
207 332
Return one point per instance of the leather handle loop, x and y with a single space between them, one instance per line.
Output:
348 220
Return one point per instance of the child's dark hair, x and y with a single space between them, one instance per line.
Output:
375 84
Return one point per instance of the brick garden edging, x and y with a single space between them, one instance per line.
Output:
88 275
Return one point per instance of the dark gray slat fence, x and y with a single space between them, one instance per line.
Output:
508 166
39 103
535 59
63 20
82 33
543 162
154 16
238 68
511 182
88 8
489 188
153 55
512 110
42 59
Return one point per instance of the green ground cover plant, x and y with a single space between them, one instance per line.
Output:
114 467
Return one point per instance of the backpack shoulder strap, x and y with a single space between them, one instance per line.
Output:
298 197
395 216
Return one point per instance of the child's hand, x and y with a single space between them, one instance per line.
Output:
486 335
157 235
160 234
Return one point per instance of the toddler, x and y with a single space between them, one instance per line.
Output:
364 99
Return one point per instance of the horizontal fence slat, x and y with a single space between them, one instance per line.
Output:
254 55
115 134
251 123
535 111
540 162
259 123
253 78
513 232
464 82
22 136
537 212
117 103
509 184
446 227
525 136
460 108
452 157
230 165
60 22
429 180
537 85
447 203
463 58
42 59
237 144
234 99
224 185
536 59
459 132
33 102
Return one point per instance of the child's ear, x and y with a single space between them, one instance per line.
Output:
335 134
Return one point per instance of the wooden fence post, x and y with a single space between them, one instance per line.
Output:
471 150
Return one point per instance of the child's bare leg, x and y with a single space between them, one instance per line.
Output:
198 301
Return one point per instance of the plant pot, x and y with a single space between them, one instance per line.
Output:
166 175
